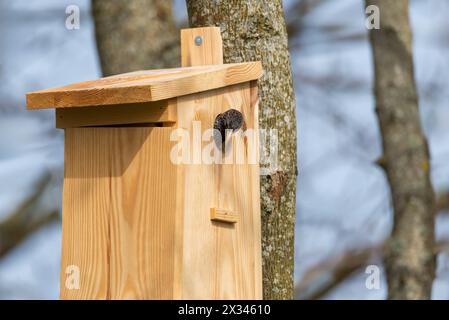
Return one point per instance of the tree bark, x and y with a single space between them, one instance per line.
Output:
135 34
410 258
255 30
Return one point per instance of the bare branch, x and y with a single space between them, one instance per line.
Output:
327 275
24 220
442 203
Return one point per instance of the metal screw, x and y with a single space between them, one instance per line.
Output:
198 40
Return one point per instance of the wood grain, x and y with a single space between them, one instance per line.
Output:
144 86
119 204
122 114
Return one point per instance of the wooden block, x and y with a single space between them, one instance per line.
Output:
122 114
144 86
210 51
223 215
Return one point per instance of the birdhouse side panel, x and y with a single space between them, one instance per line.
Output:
119 205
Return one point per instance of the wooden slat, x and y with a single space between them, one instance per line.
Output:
85 219
148 112
119 206
144 86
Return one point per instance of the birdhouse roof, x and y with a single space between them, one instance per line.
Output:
144 86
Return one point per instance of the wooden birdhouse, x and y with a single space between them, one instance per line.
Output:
146 214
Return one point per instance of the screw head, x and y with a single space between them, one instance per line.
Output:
198 40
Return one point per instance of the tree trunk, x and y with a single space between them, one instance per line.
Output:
410 259
255 30
135 34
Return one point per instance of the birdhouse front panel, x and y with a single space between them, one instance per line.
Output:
221 255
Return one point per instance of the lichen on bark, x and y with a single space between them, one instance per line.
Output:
410 258
255 30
